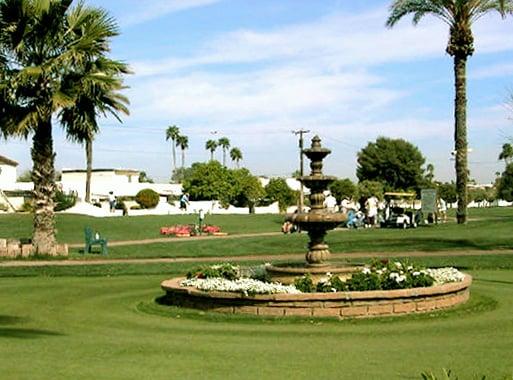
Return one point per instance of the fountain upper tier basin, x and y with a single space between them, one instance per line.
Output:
317 181
314 220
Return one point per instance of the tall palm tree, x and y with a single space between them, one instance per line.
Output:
99 96
211 145
172 133
430 173
183 143
224 143
459 15
506 153
43 47
236 155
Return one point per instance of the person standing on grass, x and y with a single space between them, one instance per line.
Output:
112 201
184 201
201 219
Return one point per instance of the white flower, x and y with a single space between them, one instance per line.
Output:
398 264
242 285
410 268
393 275
445 275
400 279
366 270
416 273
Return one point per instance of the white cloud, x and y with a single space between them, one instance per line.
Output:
142 11
494 70
334 41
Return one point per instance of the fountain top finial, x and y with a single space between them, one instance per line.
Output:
316 141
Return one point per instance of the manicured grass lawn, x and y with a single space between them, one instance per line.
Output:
491 229
107 327
70 228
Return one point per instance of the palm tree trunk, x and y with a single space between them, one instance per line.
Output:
89 169
43 175
224 157
460 136
211 155
183 158
174 157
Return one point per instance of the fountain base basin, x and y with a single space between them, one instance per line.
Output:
287 273
341 305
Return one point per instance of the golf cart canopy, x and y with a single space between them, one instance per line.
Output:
400 195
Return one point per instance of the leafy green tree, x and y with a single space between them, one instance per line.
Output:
209 181
506 153
172 133
143 178
183 143
44 46
26 176
247 189
224 143
491 194
211 145
367 189
343 188
505 187
459 15
477 195
396 163
236 155
181 174
277 190
213 181
447 191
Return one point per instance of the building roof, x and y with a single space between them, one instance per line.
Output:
117 171
7 161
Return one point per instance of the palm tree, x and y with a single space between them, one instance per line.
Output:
224 143
99 96
236 155
430 173
172 133
506 154
459 15
43 48
211 145
183 143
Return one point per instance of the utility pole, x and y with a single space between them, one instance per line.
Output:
300 133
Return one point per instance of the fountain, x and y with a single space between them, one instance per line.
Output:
341 305
317 222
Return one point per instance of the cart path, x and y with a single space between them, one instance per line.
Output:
261 258
169 239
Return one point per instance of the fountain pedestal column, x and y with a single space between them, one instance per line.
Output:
316 222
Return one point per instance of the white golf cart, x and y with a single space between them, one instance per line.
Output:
399 210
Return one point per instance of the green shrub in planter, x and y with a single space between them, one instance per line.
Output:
147 198
305 284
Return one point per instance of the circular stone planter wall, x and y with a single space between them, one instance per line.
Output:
341 304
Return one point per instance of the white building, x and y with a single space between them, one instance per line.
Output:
123 182
7 173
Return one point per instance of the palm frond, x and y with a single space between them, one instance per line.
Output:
418 9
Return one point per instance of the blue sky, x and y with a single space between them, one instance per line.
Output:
255 70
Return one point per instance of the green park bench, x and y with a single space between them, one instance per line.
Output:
91 240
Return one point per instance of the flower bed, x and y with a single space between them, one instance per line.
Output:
231 289
182 230
381 275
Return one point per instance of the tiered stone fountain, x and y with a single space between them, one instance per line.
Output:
317 222
351 304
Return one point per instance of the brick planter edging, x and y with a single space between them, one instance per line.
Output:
340 304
